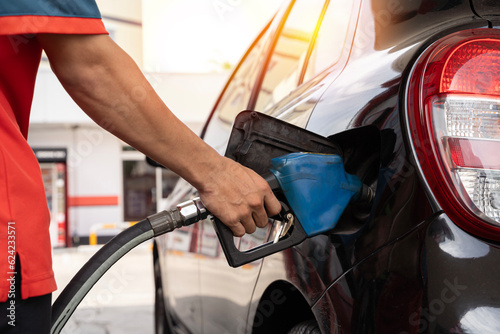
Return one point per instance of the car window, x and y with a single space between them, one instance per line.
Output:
331 37
237 94
285 65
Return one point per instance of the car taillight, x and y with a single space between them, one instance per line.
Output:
454 120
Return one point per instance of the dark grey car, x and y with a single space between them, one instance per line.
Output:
411 91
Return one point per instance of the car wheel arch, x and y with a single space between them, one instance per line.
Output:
277 306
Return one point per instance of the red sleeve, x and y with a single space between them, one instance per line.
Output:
19 17
35 24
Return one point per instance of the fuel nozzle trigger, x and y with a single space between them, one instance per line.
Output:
288 234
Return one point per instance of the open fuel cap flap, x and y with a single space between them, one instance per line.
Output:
256 139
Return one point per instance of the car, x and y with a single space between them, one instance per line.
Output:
410 90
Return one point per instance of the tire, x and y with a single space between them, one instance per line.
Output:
306 327
161 324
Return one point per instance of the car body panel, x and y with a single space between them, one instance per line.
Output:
437 294
486 9
181 285
224 288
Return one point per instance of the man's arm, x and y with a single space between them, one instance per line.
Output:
107 84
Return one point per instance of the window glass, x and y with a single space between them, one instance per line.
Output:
237 94
139 188
284 68
140 182
331 37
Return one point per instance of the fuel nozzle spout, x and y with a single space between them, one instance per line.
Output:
366 195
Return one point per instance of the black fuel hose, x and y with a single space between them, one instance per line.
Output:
184 214
166 221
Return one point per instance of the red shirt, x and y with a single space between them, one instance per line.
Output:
24 215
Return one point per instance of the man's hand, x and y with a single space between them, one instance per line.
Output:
239 197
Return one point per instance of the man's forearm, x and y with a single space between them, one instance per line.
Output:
106 83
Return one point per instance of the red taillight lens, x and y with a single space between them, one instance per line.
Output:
473 67
468 153
454 119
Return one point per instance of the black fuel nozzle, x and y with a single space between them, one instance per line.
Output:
313 191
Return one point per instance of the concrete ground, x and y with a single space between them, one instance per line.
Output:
121 302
